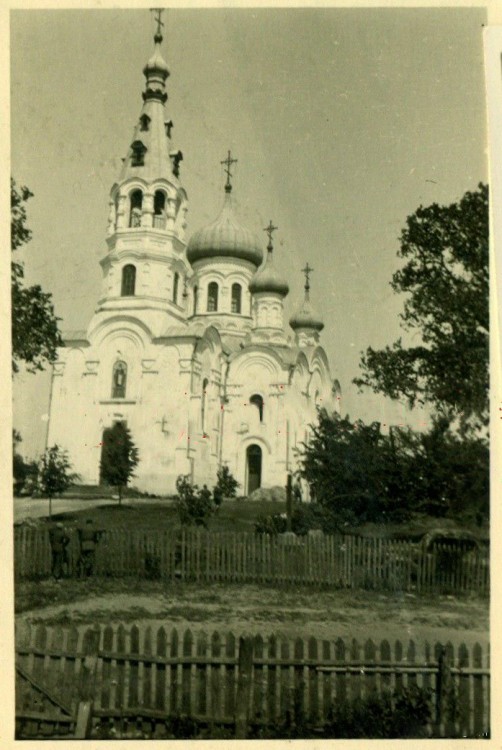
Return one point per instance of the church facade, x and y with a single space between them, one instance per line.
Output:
188 344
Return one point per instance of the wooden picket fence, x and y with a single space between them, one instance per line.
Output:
344 561
133 679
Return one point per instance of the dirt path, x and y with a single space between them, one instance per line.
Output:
329 615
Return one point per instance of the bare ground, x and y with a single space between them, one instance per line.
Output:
257 609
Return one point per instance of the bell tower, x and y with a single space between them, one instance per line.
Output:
144 265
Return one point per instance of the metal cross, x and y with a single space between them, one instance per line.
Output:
270 230
307 271
228 161
158 19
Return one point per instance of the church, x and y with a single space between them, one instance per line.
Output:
188 344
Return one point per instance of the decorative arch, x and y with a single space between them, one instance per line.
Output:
257 400
236 299
135 208
128 287
119 379
159 209
212 296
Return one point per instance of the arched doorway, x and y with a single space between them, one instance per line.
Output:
253 468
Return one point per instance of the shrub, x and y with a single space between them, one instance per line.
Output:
226 484
194 504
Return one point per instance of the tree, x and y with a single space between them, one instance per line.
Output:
353 471
446 279
24 473
35 333
226 484
54 473
119 457
357 473
193 503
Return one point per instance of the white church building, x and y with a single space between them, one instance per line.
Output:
188 345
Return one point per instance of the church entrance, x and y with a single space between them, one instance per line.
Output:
253 464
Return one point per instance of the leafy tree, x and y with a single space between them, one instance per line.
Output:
35 334
358 474
353 471
193 503
23 472
226 484
54 473
446 279
119 457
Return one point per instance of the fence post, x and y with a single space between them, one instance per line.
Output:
244 676
443 689
84 716
289 501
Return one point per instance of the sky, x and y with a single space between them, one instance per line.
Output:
343 122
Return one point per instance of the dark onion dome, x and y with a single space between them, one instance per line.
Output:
156 64
224 238
268 279
306 316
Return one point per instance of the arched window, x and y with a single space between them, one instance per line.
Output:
128 280
195 294
119 380
136 208
205 383
138 154
176 282
236 298
212 297
159 212
257 401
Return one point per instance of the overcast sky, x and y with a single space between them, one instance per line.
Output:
344 121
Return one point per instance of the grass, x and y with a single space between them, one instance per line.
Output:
233 515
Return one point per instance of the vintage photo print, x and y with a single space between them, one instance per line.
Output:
250 273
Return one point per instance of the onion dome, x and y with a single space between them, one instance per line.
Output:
156 72
225 238
267 278
306 316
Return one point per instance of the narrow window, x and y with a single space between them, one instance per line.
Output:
144 122
138 154
119 380
195 294
212 297
236 298
175 287
159 206
205 383
136 207
257 401
128 280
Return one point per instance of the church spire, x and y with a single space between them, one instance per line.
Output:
306 322
156 71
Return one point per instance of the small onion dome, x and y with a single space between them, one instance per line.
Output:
268 279
306 317
225 238
156 64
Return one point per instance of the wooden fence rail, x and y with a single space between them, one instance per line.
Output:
138 676
348 561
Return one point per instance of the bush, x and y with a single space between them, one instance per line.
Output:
194 504
403 715
226 485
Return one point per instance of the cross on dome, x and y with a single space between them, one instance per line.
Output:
307 271
270 230
228 162
158 20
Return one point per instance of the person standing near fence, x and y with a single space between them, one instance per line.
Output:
59 540
88 538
